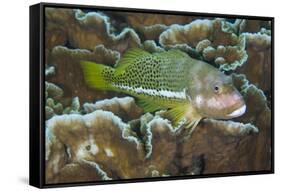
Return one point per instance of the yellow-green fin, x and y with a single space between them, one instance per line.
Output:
192 124
93 75
129 58
176 114
148 105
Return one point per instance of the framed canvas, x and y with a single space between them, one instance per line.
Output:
127 95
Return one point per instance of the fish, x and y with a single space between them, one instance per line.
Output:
186 88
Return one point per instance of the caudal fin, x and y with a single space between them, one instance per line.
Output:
93 75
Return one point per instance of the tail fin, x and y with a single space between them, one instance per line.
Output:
93 75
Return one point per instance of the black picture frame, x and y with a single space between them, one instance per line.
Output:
37 89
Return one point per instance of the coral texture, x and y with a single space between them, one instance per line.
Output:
94 135
82 35
259 59
103 146
56 104
214 40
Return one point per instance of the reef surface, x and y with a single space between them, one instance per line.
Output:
94 135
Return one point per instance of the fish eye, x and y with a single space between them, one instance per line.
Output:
217 89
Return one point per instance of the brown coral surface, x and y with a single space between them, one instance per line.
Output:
94 135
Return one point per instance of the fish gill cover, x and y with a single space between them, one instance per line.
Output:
94 134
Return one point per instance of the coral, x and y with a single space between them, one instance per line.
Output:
125 107
82 35
214 40
259 63
101 138
231 127
253 26
86 172
259 41
93 138
53 93
153 32
148 26
67 61
52 90
139 20
102 141
56 104
150 46
74 107
50 70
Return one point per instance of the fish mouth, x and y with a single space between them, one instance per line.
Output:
238 112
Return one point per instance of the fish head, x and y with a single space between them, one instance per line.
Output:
215 96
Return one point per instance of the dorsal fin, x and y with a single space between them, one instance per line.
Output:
129 58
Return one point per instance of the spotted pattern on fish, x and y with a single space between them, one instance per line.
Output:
155 75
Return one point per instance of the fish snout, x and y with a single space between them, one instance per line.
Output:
237 106
238 112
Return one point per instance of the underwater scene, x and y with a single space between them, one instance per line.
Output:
133 95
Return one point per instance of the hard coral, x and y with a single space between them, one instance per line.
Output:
259 63
87 30
56 104
214 40
69 74
101 138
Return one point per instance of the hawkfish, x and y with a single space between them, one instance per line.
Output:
187 89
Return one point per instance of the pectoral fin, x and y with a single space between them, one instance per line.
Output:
183 113
190 127
148 105
176 114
